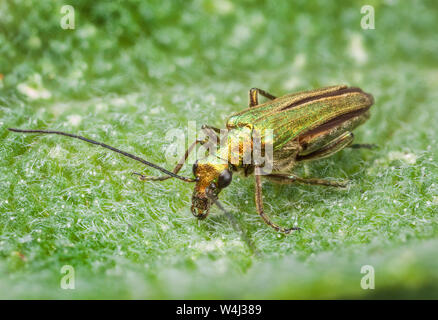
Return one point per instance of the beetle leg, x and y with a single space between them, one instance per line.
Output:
363 146
211 132
259 206
334 146
290 178
177 167
206 127
254 96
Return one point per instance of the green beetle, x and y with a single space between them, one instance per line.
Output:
304 126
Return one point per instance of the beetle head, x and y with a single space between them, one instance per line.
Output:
212 175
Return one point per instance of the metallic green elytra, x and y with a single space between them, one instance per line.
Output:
305 126
296 115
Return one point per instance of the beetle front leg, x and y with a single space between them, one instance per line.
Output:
207 127
177 168
254 96
260 210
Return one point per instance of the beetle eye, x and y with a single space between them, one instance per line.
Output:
224 179
195 166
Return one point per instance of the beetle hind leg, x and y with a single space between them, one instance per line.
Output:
363 146
329 149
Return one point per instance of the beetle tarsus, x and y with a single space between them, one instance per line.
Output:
369 146
142 177
287 231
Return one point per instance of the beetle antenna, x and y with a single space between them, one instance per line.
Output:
126 154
